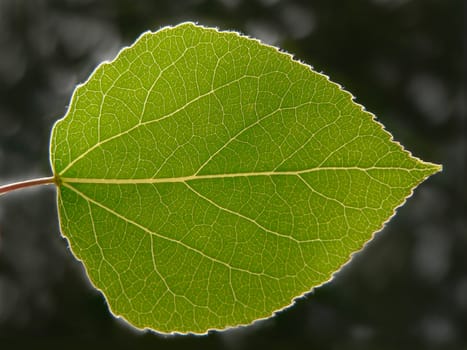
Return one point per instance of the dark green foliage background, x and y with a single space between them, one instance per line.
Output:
403 59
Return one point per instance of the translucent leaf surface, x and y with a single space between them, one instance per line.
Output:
206 180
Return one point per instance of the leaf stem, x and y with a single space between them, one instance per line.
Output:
27 183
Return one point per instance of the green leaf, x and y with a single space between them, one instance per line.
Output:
207 180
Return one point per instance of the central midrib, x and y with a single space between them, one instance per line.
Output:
221 176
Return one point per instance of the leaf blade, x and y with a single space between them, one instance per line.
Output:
220 183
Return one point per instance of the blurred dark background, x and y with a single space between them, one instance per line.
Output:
405 60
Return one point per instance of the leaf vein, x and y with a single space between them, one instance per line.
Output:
158 235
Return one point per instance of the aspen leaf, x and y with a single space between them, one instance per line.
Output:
206 180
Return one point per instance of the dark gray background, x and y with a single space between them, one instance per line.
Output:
403 59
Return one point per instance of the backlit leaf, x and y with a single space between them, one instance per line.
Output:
206 180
